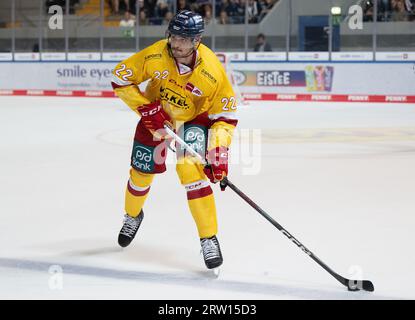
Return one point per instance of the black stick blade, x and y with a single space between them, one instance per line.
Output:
368 286
356 285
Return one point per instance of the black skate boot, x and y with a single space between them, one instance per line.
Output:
211 252
129 229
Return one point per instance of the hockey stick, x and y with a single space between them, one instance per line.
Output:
352 285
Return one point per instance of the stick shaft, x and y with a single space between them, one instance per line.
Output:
184 144
285 232
225 182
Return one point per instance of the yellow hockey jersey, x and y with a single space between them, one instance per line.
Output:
184 93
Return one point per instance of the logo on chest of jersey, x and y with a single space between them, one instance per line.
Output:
173 98
175 83
208 75
195 90
153 56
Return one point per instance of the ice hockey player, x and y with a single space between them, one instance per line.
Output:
188 90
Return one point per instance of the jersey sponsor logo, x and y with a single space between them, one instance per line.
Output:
152 56
151 112
142 158
173 98
195 137
175 83
208 75
193 89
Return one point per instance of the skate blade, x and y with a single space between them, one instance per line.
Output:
211 274
215 272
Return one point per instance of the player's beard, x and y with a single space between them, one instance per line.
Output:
181 53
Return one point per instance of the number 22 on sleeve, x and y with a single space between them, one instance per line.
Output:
228 103
123 72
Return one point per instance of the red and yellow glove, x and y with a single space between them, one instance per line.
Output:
154 117
217 167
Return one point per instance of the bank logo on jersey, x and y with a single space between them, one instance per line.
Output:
142 158
195 137
173 98
193 89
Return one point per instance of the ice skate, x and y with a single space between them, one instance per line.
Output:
212 254
129 229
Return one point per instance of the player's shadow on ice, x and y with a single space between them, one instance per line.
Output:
93 252
143 255
190 280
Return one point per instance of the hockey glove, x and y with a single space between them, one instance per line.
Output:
154 117
217 167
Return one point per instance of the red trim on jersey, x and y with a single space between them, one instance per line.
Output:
199 193
232 122
115 86
192 64
189 87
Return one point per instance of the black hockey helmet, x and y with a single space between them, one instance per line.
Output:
187 24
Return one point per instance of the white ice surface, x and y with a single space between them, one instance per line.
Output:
339 177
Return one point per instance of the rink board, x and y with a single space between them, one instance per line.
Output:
305 81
